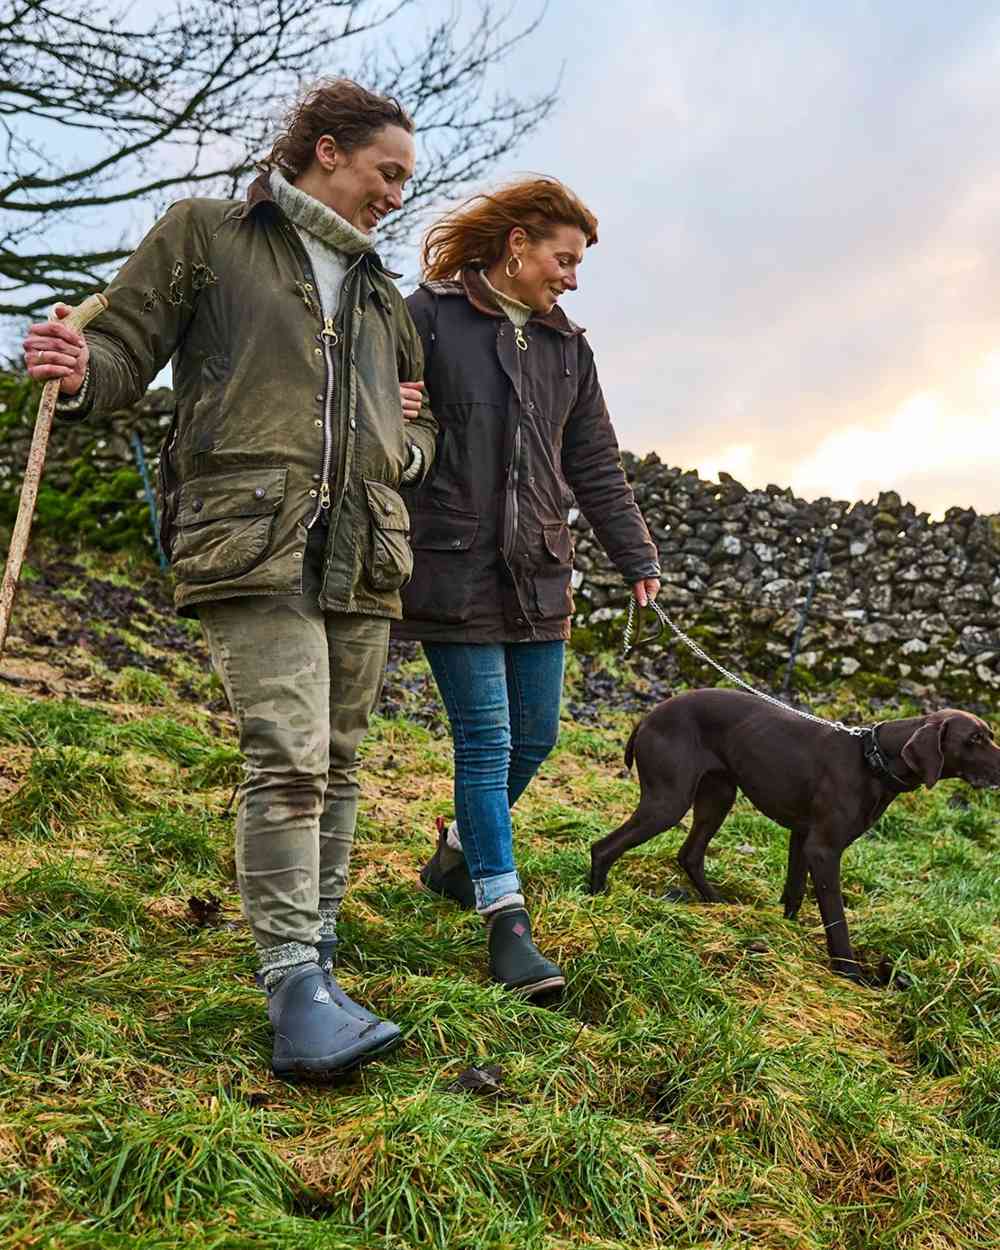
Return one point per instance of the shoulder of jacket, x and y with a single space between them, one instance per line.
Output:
200 216
203 209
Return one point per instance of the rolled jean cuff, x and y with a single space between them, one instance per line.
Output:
490 890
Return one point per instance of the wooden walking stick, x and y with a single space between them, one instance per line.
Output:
81 316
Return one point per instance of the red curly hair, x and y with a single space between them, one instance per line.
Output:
475 233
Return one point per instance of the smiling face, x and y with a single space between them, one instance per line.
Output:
548 266
365 185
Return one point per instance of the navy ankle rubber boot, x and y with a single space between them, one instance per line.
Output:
326 950
447 873
515 961
315 1035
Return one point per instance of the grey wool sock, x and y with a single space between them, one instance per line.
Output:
277 961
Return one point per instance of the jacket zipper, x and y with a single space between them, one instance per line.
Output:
514 480
330 340
515 460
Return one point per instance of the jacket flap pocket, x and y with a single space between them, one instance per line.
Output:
558 542
247 492
444 531
387 507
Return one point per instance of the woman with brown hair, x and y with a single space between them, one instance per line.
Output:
523 429
286 533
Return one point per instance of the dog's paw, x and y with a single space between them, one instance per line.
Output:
891 979
596 884
859 979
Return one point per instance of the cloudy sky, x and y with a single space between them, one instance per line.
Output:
798 274
798 277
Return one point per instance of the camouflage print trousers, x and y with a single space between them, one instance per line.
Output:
302 684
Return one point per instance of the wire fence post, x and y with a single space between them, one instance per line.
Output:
154 520
820 551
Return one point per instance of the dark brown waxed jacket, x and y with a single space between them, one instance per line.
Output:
519 429
282 414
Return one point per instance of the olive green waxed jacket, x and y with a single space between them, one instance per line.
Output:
287 415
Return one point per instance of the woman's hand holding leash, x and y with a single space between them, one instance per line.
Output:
645 591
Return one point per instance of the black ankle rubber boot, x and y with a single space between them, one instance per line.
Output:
446 872
314 1034
515 961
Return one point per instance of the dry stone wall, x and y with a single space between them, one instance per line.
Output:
104 444
902 604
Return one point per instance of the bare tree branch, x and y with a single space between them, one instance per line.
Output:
97 113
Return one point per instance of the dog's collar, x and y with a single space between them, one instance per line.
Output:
877 762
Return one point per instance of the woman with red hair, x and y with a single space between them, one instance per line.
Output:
523 430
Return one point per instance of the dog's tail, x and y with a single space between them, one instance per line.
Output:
630 747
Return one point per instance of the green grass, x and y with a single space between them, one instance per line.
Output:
705 1082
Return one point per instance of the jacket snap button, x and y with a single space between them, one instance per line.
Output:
259 493
309 286
198 504
313 494
353 424
319 399
318 422
317 351
387 507
456 542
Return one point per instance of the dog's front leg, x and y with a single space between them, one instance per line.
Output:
824 868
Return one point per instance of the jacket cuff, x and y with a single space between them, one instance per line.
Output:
75 407
415 466
639 573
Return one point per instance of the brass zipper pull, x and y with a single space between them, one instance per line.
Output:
324 496
329 332
519 339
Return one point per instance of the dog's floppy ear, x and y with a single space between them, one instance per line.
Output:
924 752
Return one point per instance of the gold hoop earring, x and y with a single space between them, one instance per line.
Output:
517 261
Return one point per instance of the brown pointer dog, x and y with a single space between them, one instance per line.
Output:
822 784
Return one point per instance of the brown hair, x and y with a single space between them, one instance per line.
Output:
337 107
475 233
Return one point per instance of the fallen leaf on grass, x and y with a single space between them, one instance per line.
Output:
205 910
486 1082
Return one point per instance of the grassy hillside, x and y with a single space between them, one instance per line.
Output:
706 1081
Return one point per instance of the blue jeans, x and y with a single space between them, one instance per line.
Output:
503 703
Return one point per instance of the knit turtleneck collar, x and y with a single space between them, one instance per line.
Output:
318 219
515 310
